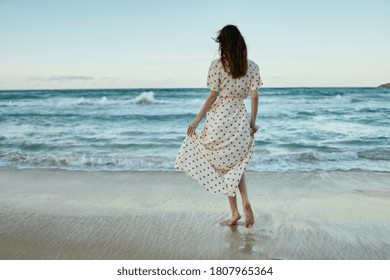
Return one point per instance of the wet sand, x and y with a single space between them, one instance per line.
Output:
53 214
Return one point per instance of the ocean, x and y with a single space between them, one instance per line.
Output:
301 129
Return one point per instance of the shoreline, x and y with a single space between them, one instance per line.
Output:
12 169
58 214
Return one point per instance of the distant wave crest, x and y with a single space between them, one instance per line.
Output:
146 98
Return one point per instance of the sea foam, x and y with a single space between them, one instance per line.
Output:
146 98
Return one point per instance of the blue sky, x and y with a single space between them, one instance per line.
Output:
143 44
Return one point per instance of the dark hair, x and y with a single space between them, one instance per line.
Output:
233 51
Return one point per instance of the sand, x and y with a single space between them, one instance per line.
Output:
54 214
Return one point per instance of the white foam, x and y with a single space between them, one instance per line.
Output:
145 98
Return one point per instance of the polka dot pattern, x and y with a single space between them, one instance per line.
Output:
218 156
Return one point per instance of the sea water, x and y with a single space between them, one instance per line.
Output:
301 129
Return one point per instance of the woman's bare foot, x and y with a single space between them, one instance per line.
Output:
233 221
249 219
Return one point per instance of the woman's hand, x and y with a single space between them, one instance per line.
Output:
192 127
254 129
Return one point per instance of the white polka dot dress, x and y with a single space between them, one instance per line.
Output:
218 156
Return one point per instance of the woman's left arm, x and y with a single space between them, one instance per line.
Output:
206 106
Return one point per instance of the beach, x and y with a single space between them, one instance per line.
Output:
59 214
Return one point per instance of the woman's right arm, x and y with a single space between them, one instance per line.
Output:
206 106
254 107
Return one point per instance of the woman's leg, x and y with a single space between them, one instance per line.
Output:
235 214
249 219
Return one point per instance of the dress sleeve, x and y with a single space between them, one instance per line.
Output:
214 76
256 81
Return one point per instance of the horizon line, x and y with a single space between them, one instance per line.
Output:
151 88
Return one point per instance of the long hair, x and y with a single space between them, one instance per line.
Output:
232 47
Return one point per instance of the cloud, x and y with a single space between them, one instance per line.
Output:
67 78
61 78
110 79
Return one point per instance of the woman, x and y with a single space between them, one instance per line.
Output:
218 156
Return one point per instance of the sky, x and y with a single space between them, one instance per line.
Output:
149 44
